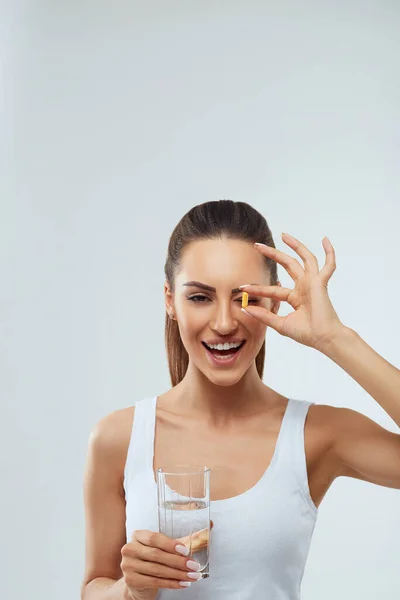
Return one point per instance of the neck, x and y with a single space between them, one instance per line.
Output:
220 404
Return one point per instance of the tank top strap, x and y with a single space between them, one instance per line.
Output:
291 449
139 460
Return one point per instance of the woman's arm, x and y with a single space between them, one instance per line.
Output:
105 509
363 449
379 378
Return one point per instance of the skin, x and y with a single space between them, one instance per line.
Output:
216 412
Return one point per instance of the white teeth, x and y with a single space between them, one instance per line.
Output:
226 346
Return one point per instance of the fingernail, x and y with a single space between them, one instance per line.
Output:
258 244
182 550
194 575
245 311
191 564
185 583
245 285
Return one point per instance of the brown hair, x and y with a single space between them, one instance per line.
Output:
208 221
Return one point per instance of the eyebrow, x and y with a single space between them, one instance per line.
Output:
203 286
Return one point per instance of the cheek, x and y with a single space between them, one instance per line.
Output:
258 330
191 325
191 319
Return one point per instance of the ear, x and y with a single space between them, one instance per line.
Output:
168 295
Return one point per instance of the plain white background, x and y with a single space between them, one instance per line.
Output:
118 117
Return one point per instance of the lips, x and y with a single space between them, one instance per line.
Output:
220 361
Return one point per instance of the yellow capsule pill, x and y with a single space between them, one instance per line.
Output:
245 299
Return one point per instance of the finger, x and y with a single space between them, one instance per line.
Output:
266 317
162 571
197 540
267 291
141 583
330 261
309 259
153 554
158 540
292 266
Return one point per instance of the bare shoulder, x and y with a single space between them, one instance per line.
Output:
331 418
324 413
328 424
343 424
110 438
323 422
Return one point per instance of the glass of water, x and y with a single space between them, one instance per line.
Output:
184 509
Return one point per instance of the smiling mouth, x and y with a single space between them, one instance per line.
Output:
228 352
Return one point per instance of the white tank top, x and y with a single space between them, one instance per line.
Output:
260 539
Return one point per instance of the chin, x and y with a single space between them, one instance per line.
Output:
225 381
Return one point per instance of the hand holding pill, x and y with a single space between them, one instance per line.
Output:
314 321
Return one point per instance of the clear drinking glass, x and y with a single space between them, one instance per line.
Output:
184 509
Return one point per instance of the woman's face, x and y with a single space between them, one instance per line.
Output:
214 315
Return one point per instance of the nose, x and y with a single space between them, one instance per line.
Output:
224 320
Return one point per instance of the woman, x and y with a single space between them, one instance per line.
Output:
272 458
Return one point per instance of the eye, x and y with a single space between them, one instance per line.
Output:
195 298
198 298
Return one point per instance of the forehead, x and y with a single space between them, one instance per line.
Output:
222 259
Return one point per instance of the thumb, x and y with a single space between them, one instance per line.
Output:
265 316
197 540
